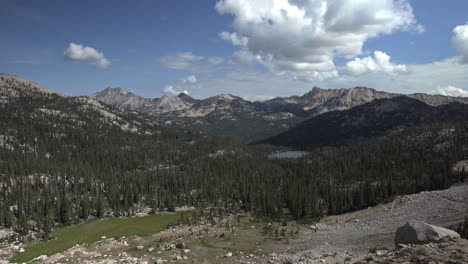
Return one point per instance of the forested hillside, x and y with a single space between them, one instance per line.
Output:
369 120
66 159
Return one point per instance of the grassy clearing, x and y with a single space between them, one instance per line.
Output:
93 230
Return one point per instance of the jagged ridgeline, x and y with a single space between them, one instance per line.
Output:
232 116
65 159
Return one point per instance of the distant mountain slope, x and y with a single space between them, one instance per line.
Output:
226 106
438 99
319 101
127 100
29 101
223 114
235 117
367 120
13 86
223 106
123 99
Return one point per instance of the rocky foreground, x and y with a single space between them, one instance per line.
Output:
447 250
349 237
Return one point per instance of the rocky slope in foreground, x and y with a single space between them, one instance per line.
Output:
447 250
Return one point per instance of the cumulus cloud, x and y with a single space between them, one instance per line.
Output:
451 91
215 60
234 38
302 38
249 83
379 63
190 79
172 91
243 57
460 41
78 52
181 60
181 86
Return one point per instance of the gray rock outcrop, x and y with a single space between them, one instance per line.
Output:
417 232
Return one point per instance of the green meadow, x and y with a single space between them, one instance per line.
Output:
92 231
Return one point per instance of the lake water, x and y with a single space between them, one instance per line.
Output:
293 154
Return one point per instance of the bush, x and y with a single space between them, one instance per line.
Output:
180 245
463 228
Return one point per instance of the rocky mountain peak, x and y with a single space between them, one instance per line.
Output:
315 89
109 91
117 90
187 98
121 98
171 103
324 100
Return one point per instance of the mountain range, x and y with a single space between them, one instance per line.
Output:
248 121
315 102
319 117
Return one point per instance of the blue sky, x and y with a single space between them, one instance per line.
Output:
151 47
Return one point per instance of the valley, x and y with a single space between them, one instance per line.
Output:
328 189
234 132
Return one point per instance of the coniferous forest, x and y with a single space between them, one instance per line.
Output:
64 160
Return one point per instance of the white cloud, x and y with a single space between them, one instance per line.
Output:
460 41
172 91
419 78
190 79
302 38
234 38
427 77
380 62
250 83
451 91
78 52
190 82
181 60
215 60
243 57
